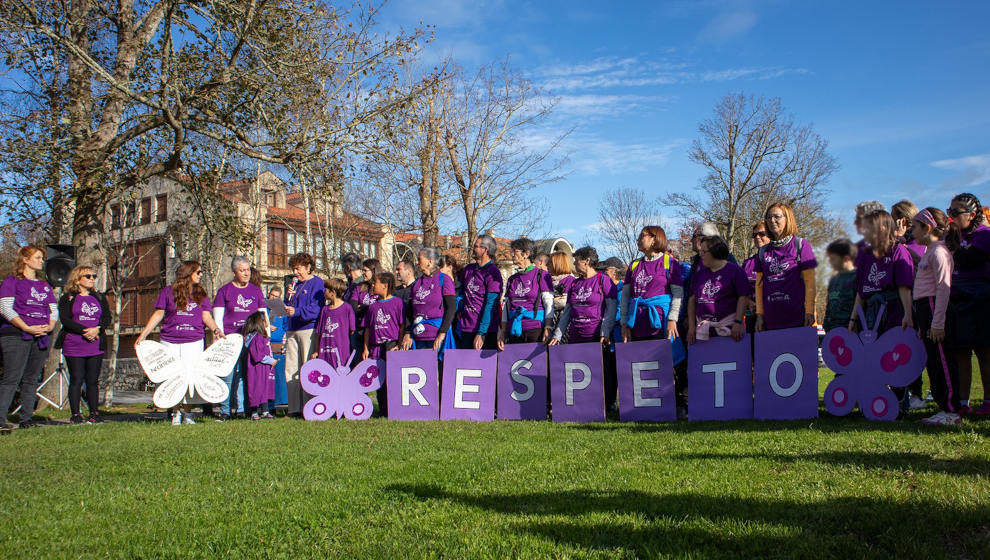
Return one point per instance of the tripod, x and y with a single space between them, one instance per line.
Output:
60 375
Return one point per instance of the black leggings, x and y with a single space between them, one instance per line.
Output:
84 369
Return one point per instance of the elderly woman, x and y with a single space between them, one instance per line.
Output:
432 306
719 294
235 301
785 274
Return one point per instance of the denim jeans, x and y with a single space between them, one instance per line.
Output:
23 363
236 382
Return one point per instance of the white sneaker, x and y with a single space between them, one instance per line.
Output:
943 419
916 403
188 419
176 418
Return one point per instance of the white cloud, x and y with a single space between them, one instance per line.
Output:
727 26
592 105
971 170
591 154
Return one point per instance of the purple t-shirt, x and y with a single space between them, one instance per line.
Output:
333 330
477 282
749 267
875 275
978 237
426 299
181 326
917 249
650 279
717 293
384 318
32 300
523 290
586 298
783 287
86 311
238 304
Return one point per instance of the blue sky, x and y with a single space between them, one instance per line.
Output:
901 90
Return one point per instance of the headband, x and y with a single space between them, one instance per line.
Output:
926 218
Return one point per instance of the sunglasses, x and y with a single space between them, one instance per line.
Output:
953 212
90 276
759 234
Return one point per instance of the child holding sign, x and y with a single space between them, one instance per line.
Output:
382 326
334 327
260 372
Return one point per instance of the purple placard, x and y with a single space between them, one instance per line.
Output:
413 385
720 377
522 382
468 385
340 392
786 374
577 391
645 372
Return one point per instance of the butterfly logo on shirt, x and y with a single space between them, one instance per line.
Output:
201 376
473 285
243 303
340 391
776 266
381 319
521 289
89 309
643 281
711 289
39 296
422 293
582 294
867 366
331 326
875 276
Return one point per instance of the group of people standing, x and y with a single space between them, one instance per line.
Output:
926 268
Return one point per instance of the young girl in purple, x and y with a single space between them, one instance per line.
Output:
383 327
589 314
332 338
652 290
260 365
432 306
720 294
884 276
183 309
528 306
969 240
84 315
29 311
785 274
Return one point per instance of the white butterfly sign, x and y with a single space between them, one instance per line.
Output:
190 381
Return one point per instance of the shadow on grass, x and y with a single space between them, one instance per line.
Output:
702 525
890 461
825 423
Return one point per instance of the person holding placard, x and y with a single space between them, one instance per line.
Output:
383 327
259 365
785 274
332 338
84 315
432 306
652 290
29 311
720 293
590 312
234 302
884 276
482 285
969 240
561 269
183 308
932 289
303 308
528 306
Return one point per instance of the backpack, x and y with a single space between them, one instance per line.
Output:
666 265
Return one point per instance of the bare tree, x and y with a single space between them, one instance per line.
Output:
622 213
230 73
489 129
755 155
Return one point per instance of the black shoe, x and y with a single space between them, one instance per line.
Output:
6 426
223 418
28 424
95 419
76 419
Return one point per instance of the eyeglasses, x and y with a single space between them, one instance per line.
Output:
90 276
777 216
953 212
759 234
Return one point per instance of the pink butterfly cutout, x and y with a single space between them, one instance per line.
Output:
340 392
867 366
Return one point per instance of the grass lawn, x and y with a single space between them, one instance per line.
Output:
825 488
